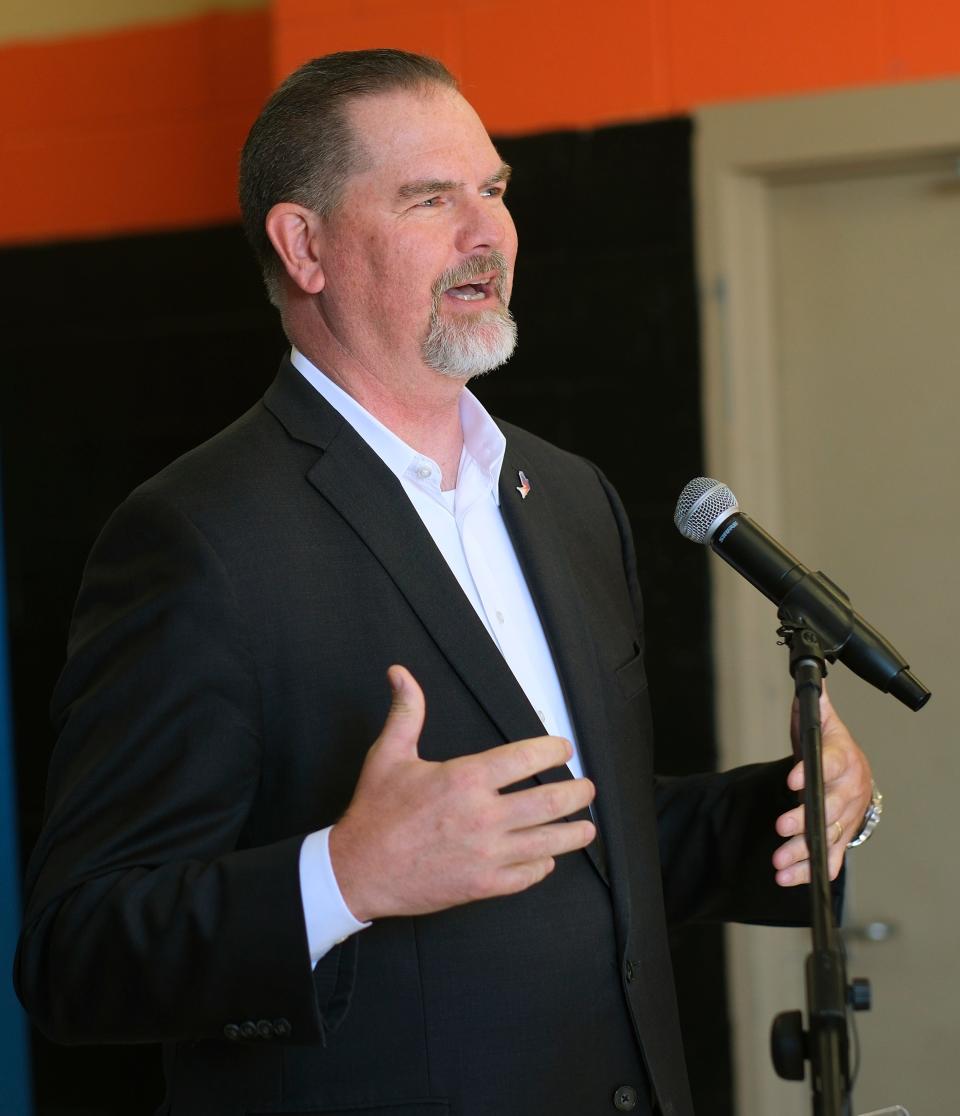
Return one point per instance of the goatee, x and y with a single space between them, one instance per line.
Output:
465 345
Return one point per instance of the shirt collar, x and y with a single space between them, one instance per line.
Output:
483 442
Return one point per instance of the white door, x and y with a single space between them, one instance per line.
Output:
858 469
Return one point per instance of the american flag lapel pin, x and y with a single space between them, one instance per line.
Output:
524 486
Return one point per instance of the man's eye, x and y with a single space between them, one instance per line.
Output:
493 192
430 203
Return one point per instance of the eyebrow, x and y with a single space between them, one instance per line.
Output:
426 186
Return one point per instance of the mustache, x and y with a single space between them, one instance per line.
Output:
472 269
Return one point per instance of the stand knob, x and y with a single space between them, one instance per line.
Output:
859 994
788 1045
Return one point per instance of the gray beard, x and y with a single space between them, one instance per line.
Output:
471 345
465 345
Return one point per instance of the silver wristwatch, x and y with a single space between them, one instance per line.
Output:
871 819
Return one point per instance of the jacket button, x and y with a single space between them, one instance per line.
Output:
625 1098
282 1027
248 1030
628 971
231 1031
265 1028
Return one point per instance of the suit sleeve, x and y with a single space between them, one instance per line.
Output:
717 830
149 916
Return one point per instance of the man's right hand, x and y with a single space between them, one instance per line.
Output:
421 836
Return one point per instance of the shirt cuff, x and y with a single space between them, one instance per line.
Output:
327 916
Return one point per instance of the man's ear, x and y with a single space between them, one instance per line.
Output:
296 235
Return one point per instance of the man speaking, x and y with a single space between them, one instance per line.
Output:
352 806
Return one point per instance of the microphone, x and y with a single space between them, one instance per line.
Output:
708 513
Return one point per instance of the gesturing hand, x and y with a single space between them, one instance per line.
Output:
847 785
421 836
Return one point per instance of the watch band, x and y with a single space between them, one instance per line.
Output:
871 819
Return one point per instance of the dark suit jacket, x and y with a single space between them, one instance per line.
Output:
225 677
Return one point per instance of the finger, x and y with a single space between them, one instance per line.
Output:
795 779
791 822
796 849
541 841
518 877
798 872
791 852
547 803
521 759
401 731
835 809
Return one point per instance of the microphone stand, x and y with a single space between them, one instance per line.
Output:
825 1044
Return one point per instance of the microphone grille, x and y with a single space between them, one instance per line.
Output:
703 504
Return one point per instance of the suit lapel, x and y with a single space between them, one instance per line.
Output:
540 546
353 479
357 486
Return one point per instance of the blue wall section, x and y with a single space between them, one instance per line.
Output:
14 1052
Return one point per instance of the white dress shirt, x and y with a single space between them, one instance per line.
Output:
468 529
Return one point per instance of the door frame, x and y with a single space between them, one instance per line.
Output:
740 152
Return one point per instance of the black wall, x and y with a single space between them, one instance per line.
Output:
121 354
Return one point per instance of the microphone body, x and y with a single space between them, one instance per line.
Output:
708 512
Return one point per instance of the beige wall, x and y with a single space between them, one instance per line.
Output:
47 19
828 239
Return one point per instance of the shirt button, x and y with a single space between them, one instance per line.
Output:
499 616
542 715
231 1031
628 971
249 1029
625 1098
424 471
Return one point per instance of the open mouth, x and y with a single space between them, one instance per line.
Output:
476 291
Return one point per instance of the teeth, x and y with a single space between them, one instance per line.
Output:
466 294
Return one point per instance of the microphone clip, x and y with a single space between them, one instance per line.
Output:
806 649
825 610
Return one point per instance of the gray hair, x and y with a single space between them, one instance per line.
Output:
301 148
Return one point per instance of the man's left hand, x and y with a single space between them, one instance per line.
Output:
847 784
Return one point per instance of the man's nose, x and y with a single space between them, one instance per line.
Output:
486 225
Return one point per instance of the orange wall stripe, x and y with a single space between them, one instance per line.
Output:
525 67
140 129
924 38
742 48
547 64
130 130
